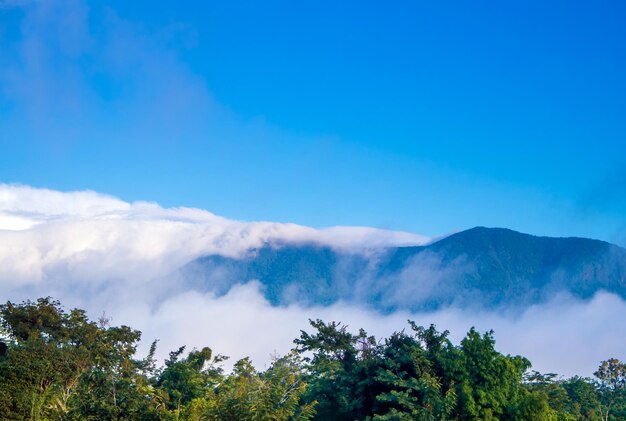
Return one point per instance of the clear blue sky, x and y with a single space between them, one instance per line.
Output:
420 116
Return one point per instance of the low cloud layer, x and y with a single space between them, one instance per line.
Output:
89 236
566 336
100 253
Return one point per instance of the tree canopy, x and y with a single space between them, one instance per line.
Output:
59 365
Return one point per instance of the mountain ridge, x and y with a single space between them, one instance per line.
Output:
488 267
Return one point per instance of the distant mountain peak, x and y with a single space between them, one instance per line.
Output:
481 266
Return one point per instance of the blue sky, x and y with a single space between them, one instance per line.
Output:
420 116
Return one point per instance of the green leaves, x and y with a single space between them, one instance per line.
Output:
43 319
58 365
184 380
489 381
612 387
271 395
422 375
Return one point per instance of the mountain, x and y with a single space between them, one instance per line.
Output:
484 267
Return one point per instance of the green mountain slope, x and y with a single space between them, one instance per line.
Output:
485 267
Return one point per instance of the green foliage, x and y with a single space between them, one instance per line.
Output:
57 365
612 387
271 395
183 381
583 397
489 381
412 389
62 366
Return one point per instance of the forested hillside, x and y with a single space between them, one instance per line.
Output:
59 365
479 267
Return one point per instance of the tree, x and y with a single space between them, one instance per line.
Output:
612 387
413 390
331 370
489 384
583 398
271 395
45 356
183 381
60 365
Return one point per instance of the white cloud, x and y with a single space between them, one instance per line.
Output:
90 236
566 336
100 253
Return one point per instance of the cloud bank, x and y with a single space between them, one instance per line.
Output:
89 235
101 253
566 335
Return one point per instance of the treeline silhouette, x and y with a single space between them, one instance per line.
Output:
59 365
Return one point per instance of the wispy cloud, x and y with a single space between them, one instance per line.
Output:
74 69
